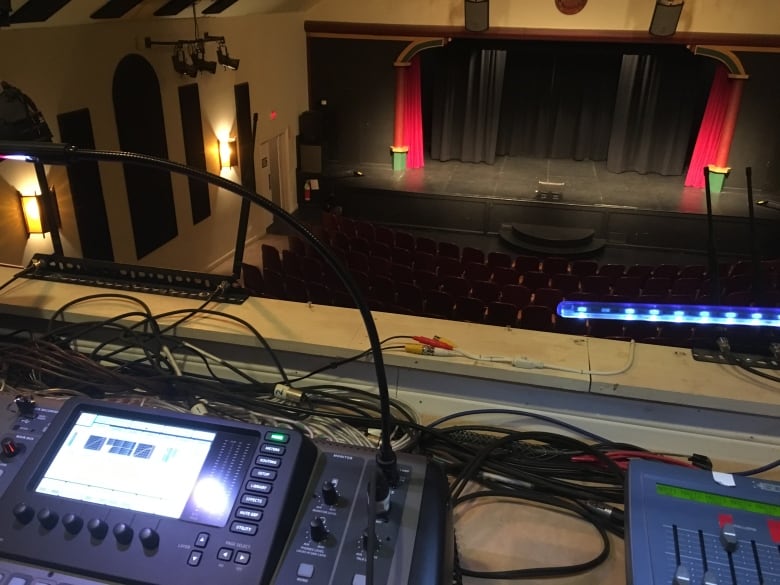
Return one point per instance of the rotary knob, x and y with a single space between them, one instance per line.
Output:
329 493
9 447
97 528
123 533
23 513
149 538
317 529
72 523
48 518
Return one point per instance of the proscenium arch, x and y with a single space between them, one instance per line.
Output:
416 46
724 55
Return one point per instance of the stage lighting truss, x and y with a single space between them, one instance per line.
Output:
189 55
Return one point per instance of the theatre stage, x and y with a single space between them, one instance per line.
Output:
628 209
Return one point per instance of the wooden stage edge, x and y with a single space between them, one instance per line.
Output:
485 214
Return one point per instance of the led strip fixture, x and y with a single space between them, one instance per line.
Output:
654 313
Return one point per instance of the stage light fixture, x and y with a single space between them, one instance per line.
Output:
198 56
189 55
224 58
180 63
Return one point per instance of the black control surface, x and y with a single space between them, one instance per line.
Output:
95 492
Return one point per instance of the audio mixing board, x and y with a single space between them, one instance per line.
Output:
96 492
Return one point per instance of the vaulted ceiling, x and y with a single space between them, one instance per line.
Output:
30 13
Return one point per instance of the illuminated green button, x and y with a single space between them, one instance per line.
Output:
277 437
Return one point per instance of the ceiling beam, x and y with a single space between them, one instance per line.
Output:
173 7
218 6
36 11
115 9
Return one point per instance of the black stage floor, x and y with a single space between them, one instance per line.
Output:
651 212
584 183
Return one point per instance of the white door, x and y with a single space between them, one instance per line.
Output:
271 162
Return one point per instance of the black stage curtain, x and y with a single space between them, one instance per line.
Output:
468 98
658 107
559 104
638 112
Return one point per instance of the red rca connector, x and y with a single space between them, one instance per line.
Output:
444 340
433 342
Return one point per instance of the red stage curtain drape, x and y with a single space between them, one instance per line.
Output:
412 123
709 133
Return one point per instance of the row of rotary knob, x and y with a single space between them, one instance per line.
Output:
73 524
318 531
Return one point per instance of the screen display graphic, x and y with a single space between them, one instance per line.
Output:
146 466
712 499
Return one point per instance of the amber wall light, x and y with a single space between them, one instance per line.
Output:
228 156
32 213
34 217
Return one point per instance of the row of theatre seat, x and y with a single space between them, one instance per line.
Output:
497 290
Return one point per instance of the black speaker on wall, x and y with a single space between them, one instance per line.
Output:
311 127
310 158
477 15
665 17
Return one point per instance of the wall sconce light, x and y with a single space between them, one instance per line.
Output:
32 214
228 156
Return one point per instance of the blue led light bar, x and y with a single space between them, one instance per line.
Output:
699 314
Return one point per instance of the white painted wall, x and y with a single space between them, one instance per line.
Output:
67 68
726 16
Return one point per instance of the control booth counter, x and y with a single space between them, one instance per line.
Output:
298 511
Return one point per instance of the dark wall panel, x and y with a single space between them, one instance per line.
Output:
357 78
194 152
245 137
86 188
757 136
141 128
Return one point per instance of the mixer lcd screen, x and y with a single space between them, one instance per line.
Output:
718 500
147 465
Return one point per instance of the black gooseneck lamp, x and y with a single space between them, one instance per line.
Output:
63 154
